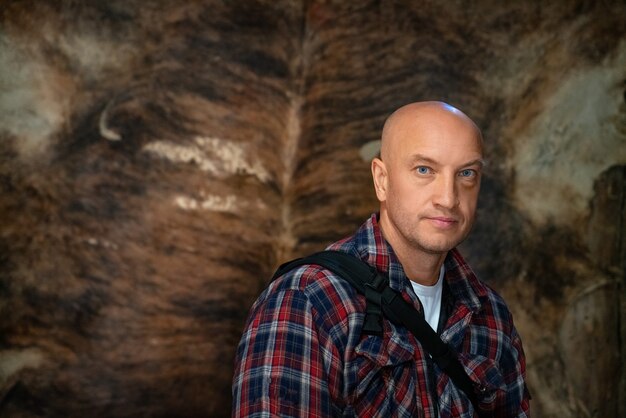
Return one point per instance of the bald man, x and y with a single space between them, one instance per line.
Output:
303 352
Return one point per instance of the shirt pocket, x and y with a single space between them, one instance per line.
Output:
489 384
385 370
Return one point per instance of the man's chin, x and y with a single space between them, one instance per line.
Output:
436 241
438 247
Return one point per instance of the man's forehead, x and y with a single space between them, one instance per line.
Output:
433 143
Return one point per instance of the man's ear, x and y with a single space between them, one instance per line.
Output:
379 174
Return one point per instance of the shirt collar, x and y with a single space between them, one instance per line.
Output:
463 283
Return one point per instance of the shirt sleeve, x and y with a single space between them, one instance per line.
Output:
516 382
280 363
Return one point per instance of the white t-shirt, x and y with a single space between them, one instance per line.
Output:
430 297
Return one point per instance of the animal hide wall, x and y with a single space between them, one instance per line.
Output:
159 159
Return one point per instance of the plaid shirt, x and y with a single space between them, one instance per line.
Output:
302 353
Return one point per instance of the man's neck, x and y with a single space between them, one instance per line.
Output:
420 266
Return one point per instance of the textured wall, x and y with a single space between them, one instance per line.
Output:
159 159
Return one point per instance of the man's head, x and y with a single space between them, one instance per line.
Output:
427 178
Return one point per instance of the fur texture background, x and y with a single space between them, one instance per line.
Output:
159 159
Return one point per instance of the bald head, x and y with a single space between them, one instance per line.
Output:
420 116
427 181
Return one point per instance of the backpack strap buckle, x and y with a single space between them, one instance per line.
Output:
373 324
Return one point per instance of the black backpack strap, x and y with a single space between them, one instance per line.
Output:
401 312
383 299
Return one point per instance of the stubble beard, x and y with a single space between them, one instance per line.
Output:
432 243
416 237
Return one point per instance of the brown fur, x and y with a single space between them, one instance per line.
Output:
158 161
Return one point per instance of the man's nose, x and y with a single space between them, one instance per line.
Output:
446 195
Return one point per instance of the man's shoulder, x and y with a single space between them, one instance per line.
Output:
477 294
484 291
307 278
320 289
323 289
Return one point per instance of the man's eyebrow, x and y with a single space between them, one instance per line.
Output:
422 158
479 161
419 157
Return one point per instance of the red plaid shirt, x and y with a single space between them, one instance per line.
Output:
302 353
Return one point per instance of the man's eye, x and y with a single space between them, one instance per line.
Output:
467 173
422 170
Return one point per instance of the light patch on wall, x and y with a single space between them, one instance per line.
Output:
577 137
214 155
32 104
12 361
370 150
210 203
95 242
97 56
38 92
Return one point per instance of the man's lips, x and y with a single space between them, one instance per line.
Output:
442 221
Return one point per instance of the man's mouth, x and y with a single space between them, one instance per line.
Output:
443 222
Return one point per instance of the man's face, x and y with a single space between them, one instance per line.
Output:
430 182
